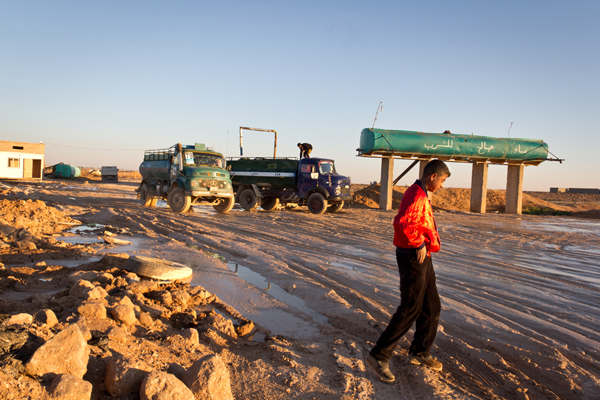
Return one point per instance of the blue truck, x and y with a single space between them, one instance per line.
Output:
269 182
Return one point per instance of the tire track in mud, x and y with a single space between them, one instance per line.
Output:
514 362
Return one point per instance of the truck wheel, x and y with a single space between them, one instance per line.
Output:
225 205
270 203
316 203
178 201
248 200
144 199
335 207
156 268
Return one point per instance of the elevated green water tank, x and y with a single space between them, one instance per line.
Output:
411 144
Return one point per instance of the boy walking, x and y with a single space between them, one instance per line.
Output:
415 237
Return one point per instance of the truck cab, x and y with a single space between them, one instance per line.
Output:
318 175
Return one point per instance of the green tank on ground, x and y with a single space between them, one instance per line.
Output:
185 175
62 170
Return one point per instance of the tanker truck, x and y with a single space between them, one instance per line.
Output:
185 175
268 182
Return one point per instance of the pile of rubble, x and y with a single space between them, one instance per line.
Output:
23 224
98 330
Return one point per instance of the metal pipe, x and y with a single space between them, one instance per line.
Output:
261 130
405 172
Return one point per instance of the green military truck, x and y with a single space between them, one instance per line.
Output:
185 175
268 182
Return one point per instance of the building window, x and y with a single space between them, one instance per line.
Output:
13 163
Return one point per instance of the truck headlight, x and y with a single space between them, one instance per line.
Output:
194 183
338 190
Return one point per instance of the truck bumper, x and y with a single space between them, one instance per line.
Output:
207 193
343 197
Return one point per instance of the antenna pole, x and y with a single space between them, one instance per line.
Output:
380 106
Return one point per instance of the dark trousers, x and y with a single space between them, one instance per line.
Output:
419 302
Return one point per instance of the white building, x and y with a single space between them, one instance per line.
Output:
21 160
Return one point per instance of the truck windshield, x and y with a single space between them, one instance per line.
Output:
212 160
327 167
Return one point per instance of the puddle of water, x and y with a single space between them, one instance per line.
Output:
568 226
68 263
256 336
79 239
276 291
582 249
138 244
259 281
85 228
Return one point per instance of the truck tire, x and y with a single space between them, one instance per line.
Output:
178 201
317 204
270 203
225 206
335 207
248 200
156 268
144 199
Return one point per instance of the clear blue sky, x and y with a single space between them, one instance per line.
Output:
134 75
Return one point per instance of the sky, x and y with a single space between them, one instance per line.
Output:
100 81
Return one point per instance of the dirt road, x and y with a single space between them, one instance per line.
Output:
519 295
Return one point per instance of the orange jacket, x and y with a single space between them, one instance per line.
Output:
414 225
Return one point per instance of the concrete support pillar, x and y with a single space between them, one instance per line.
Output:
514 189
387 178
479 178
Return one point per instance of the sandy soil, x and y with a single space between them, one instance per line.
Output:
519 294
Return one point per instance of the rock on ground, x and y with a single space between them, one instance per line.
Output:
125 376
69 387
208 378
19 319
159 385
47 317
65 353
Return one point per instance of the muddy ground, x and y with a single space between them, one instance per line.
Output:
519 293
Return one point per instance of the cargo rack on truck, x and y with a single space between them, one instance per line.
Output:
166 154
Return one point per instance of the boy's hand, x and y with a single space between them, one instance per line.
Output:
421 254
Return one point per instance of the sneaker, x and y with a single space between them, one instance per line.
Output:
426 359
381 368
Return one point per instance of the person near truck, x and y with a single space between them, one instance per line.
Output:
305 149
415 238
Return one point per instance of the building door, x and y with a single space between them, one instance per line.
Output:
27 168
37 169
